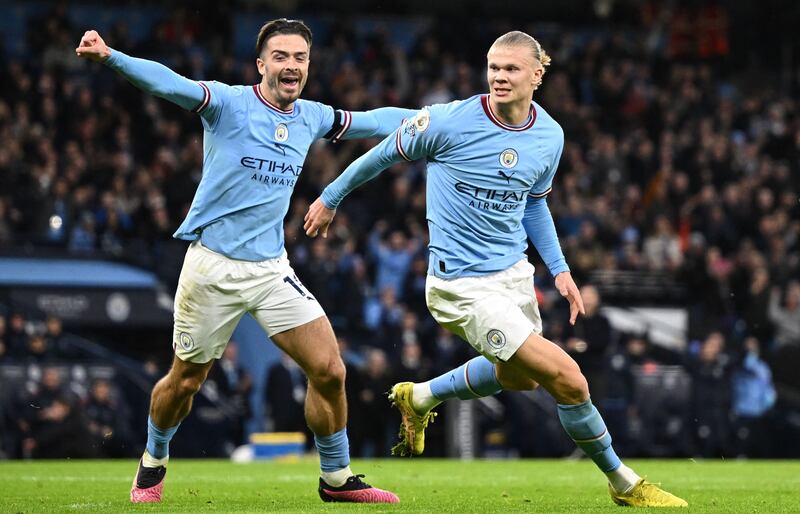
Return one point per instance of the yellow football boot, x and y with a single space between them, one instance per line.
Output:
412 427
646 494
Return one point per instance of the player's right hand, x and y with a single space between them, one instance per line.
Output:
93 47
318 218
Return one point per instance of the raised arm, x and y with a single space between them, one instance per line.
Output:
148 76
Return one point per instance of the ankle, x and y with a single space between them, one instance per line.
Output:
422 399
336 478
623 479
149 461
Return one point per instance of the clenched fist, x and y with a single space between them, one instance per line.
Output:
93 47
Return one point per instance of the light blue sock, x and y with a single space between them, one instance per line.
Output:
158 439
586 427
334 450
474 379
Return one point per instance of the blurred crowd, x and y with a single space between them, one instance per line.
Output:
676 161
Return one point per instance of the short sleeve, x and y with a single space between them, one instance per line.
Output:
216 95
544 184
423 135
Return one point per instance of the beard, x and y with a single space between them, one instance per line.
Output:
274 83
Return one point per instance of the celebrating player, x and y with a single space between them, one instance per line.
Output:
491 162
255 141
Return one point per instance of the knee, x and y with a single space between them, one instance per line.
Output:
189 385
574 387
329 376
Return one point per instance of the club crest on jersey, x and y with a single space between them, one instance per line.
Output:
422 120
281 133
496 339
186 341
508 158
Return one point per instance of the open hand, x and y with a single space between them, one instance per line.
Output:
318 218
566 286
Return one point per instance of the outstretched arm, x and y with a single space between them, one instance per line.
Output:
411 141
148 76
320 214
358 125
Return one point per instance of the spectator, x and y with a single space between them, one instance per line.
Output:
588 341
711 396
372 413
39 350
17 336
753 397
786 315
392 258
54 424
285 394
234 385
661 248
109 421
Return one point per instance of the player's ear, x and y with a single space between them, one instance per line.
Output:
261 65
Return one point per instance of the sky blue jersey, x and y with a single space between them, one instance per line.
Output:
253 154
486 184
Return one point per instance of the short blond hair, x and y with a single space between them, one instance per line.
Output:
519 38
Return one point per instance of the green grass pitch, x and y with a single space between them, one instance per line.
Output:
434 486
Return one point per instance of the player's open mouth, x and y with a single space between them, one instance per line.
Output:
290 81
498 91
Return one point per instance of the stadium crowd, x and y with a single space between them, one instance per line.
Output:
675 162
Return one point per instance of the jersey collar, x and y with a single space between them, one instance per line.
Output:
268 103
487 108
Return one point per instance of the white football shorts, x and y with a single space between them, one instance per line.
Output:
215 291
494 313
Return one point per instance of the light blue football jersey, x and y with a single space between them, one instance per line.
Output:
481 174
253 155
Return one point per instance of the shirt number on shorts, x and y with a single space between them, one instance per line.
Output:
298 286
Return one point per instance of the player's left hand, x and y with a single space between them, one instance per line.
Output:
566 286
318 219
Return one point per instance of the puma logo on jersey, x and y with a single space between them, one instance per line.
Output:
507 177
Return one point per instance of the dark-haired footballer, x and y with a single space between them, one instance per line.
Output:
255 141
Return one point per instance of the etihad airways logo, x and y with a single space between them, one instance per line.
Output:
492 199
269 172
270 166
481 193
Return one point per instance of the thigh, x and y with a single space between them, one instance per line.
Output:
543 361
312 345
207 305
